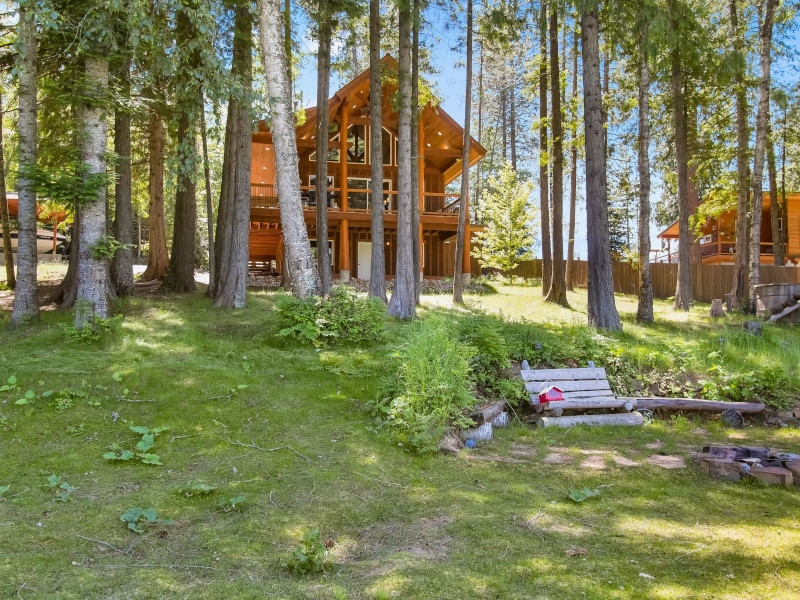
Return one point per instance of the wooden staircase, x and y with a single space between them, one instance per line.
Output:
266 245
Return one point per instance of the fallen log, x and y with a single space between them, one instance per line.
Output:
589 403
487 413
693 404
634 418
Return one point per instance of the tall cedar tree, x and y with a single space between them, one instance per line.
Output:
403 301
558 290
463 204
325 27
233 216
683 288
157 257
94 286
573 170
122 263
212 258
601 308
299 261
26 298
416 150
11 281
180 273
377 276
544 187
762 118
644 311
739 294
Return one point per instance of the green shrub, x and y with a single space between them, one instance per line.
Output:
309 557
770 385
489 361
343 317
430 389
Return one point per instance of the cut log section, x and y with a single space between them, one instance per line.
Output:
550 375
694 404
487 413
590 403
591 420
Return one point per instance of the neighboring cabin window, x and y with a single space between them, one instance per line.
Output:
357 144
387 147
333 153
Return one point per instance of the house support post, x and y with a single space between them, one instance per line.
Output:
466 271
344 251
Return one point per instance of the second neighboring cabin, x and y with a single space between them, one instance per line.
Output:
349 241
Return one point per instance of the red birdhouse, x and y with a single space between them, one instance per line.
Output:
551 394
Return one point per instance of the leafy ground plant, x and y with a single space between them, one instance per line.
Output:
309 557
10 384
194 488
583 494
137 519
233 503
60 487
142 447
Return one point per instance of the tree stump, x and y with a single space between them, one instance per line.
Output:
716 308
754 327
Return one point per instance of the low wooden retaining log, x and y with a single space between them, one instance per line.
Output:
634 418
694 404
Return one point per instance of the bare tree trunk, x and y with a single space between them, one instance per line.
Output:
739 293
774 207
544 189
403 301
644 311
122 263
304 275
287 44
558 289
504 113
157 258
322 135
212 275
233 224
26 299
513 120
377 276
415 158
573 172
694 192
180 273
93 281
762 118
464 199
480 134
11 280
602 310
683 289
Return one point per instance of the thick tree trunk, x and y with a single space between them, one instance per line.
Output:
463 203
180 273
11 280
774 207
513 121
377 276
480 134
233 224
504 113
93 280
415 157
322 136
544 188
694 192
303 272
212 259
403 301
602 310
739 294
157 258
122 263
573 173
683 289
762 117
26 299
644 311
558 289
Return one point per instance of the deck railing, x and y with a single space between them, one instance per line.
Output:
265 195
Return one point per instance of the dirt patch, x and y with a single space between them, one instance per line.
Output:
558 459
422 538
623 461
496 458
667 461
657 445
522 451
596 462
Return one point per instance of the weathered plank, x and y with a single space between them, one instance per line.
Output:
563 374
694 404
634 418
588 394
568 386
589 403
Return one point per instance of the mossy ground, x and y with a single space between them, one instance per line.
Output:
495 523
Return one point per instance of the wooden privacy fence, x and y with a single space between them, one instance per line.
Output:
708 281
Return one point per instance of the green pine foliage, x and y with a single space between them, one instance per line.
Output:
509 216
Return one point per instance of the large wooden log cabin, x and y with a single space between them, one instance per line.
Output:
718 236
349 241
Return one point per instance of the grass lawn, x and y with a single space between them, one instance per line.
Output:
298 442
